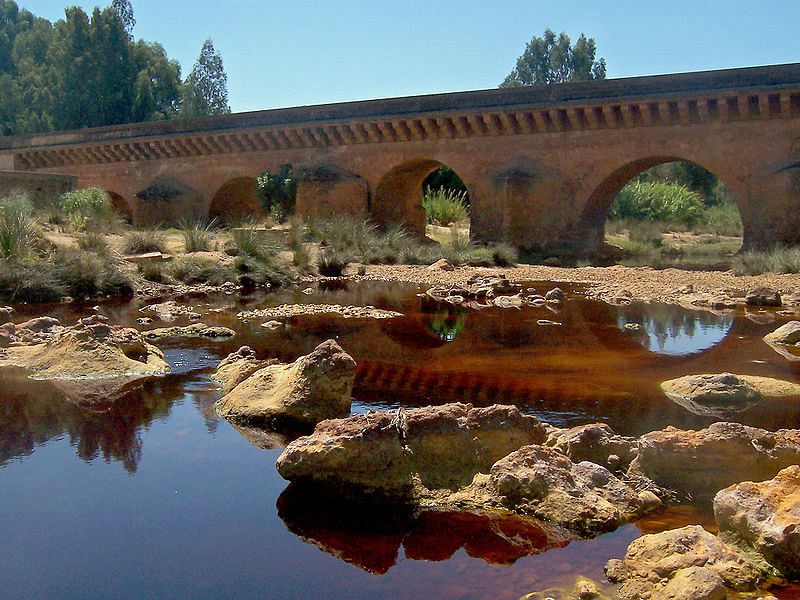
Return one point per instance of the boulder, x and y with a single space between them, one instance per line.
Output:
720 395
90 350
785 339
766 517
396 454
39 324
555 295
763 297
584 497
596 443
195 330
6 314
313 388
703 462
684 564
442 265
582 589
238 366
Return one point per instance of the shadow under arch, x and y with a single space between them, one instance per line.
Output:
398 196
236 199
121 206
595 211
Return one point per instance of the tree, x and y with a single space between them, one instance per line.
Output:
278 192
205 91
124 11
550 59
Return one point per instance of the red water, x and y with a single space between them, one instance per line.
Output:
154 496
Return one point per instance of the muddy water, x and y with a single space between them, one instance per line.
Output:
156 497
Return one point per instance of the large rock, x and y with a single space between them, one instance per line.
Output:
596 443
238 366
313 388
703 462
195 330
401 452
91 349
684 564
763 297
785 339
720 395
584 497
766 517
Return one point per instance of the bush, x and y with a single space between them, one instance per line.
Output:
777 260
646 233
86 275
143 241
445 206
657 201
331 263
260 272
193 270
92 241
250 240
197 235
505 255
300 255
277 192
19 234
29 282
721 219
89 207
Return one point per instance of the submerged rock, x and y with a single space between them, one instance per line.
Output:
313 388
684 564
720 395
195 330
170 311
703 462
766 517
292 310
785 339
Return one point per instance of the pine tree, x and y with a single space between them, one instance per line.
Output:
205 91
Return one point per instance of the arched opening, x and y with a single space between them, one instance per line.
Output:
664 211
424 196
121 206
236 200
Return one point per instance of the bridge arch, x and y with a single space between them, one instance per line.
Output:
236 199
604 191
121 205
398 196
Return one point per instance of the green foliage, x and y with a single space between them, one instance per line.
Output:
90 206
300 255
331 263
205 91
550 59
445 177
645 233
277 192
92 241
443 206
19 234
193 270
198 235
721 219
691 176
86 275
143 241
777 260
657 201
251 240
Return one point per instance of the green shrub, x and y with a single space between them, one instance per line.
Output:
777 260
92 241
657 201
90 207
646 233
29 282
198 235
721 219
144 241
331 263
277 192
505 255
251 240
193 270
445 206
151 271
19 233
86 275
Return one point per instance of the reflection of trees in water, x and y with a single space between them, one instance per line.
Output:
662 323
446 321
34 412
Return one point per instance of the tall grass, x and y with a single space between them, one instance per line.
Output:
777 260
144 241
445 206
197 235
657 201
251 240
721 219
19 233
296 239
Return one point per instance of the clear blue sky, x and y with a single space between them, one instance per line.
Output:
296 52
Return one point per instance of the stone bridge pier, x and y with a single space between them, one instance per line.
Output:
541 164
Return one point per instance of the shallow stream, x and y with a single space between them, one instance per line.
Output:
155 496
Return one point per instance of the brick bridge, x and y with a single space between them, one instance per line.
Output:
542 164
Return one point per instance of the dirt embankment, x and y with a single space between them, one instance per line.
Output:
606 283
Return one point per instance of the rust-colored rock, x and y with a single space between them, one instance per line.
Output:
766 517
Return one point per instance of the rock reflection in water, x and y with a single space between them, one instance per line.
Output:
370 536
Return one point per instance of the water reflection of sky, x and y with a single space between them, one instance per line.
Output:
672 330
